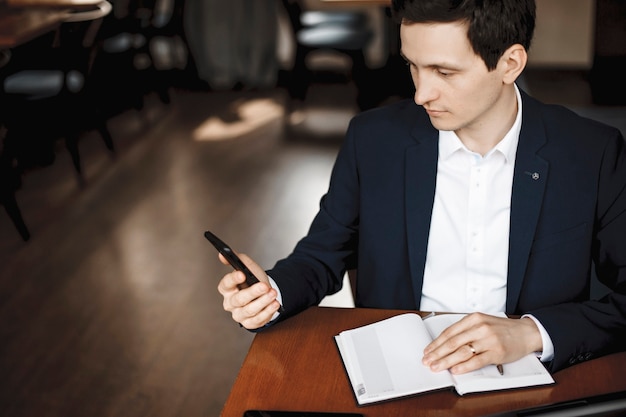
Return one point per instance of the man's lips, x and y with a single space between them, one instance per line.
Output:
433 112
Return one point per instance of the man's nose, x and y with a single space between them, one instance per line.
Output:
424 90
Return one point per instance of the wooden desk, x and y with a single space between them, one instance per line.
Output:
24 20
295 365
20 25
63 4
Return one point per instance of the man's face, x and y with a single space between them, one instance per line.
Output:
451 82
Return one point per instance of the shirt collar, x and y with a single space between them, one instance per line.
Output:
449 142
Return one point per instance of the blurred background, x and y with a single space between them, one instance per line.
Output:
130 127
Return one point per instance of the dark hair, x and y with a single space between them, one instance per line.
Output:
494 25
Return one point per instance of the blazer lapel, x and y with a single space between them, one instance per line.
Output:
420 179
529 182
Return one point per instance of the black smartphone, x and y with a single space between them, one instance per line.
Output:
232 258
234 261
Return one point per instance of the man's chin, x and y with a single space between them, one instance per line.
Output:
440 124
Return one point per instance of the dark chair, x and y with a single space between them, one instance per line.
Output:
10 178
134 46
122 55
47 95
344 33
168 45
10 182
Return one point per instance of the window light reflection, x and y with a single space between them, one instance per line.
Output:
242 117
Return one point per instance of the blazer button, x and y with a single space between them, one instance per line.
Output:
588 356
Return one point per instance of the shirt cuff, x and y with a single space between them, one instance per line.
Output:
279 296
548 348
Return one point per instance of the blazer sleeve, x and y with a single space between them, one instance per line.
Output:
317 264
583 330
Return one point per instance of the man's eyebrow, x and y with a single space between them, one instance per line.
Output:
445 65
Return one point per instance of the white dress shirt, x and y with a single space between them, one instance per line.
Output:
467 256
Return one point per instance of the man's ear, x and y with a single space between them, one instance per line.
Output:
514 61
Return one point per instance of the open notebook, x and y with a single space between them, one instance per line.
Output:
383 361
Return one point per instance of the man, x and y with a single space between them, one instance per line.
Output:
474 197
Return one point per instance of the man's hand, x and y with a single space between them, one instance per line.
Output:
478 340
252 307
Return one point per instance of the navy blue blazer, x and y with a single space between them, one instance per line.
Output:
568 212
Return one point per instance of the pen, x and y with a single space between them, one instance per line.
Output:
500 369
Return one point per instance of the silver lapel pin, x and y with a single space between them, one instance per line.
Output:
533 175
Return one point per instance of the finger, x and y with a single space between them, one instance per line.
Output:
236 297
452 331
244 296
222 259
251 264
230 283
447 343
262 317
254 267
463 354
473 363
257 312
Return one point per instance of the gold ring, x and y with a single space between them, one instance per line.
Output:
472 348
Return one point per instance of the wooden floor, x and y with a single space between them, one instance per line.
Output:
111 308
